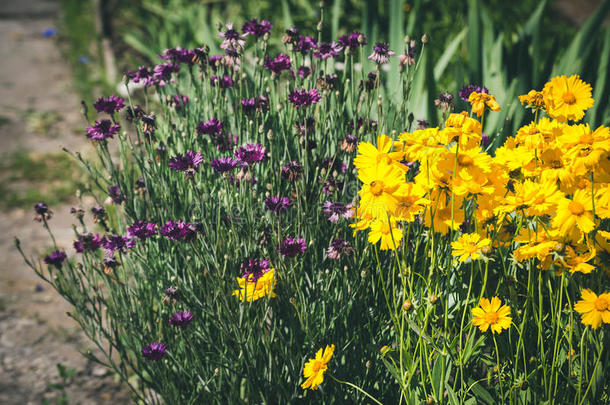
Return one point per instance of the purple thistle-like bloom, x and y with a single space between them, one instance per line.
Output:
187 163
381 53
277 64
349 143
304 71
172 292
162 74
253 269
109 104
328 50
304 98
331 185
250 153
334 210
116 195
353 40
224 164
55 258
292 171
232 38
179 230
291 247
110 263
305 44
337 248
253 27
181 319
178 101
43 213
88 242
277 204
257 103
210 127
179 55
118 243
142 230
248 105
466 90
154 351
141 75
223 82
102 130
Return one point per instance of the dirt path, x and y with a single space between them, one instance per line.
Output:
35 332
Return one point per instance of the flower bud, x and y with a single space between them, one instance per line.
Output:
407 305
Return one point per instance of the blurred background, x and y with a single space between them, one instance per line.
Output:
55 53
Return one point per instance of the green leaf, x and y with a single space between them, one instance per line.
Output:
448 53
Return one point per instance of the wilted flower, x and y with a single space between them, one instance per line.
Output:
55 258
292 171
250 153
381 53
142 230
110 263
99 213
422 124
188 163
290 247
349 143
444 101
277 204
253 27
304 98
337 248
223 164
154 351
180 55
43 212
109 104
102 130
181 319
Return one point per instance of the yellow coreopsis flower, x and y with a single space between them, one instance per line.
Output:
492 315
382 185
315 368
370 156
480 100
594 309
468 246
577 262
577 211
411 203
252 288
386 232
567 98
533 98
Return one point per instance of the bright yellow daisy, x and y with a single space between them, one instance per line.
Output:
468 246
577 211
315 368
491 314
386 232
252 288
567 98
480 100
594 309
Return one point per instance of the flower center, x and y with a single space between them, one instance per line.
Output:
576 208
317 365
377 188
491 317
569 98
602 304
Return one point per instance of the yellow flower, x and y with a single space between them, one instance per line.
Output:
533 98
567 98
594 309
577 261
578 210
315 368
468 246
252 288
491 314
370 156
386 232
480 100
382 185
411 203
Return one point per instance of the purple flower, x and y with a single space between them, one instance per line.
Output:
224 82
277 64
43 212
55 258
142 230
277 204
304 98
118 243
331 185
110 263
154 351
102 130
162 74
99 213
250 153
179 230
109 104
466 90
253 269
353 40
292 171
141 75
291 247
179 55
178 101
349 143
334 210
214 60
171 292
305 44
258 103
328 50
223 164
88 242
337 248
232 38
181 319
304 71
187 163
116 195
381 53
210 127
485 139
253 27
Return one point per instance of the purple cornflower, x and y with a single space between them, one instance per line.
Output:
162 74
291 247
179 55
214 61
187 163
141 75
304 98
232 38
305 44
277 204
257 103
210 127
292 171
250 153
337 248
381 53
466 90
277 64
118 243
181 319
109 104
178 101
154 351
179 230
334 210
55 258
116 195
110 263
142 230
327 50
99 213
353 40
331 185
231 58
88 242
43 212
253 27
349 143
253 269
304 71
102 130
171 292
223 164
223 82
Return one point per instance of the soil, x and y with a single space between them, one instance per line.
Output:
35 332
